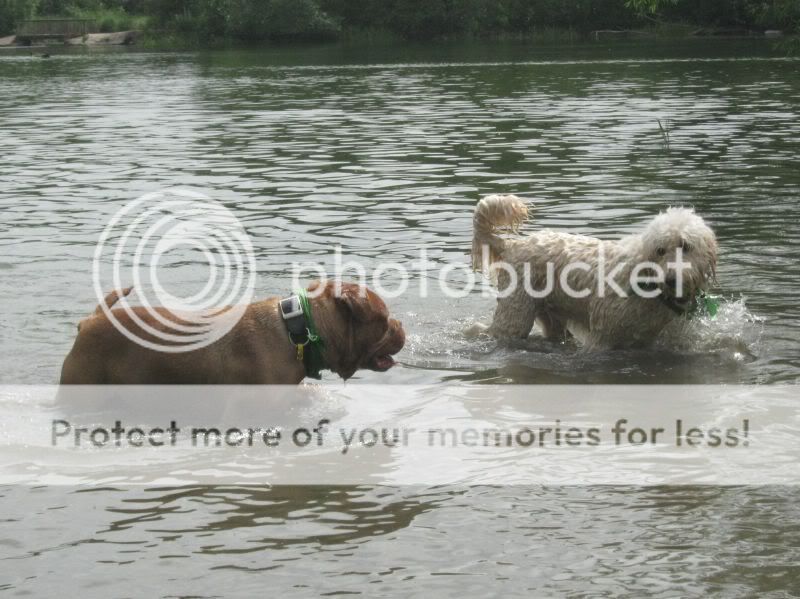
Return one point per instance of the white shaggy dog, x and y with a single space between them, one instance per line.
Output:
608 294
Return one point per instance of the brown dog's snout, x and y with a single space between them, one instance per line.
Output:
398 334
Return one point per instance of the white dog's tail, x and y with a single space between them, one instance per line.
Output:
494 214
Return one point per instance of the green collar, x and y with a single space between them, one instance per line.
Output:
296 313
312 354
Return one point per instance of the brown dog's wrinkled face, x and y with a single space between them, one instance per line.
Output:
373 338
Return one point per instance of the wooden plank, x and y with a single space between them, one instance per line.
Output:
54 28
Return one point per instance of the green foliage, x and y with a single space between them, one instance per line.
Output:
244 19
253 20
730 14
283 19
13 11
109 15
427 19
65 7
746 14
108 19
780 14
648 6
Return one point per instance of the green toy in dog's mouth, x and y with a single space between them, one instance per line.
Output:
701 304
705 305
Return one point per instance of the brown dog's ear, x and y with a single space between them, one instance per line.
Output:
353 298
362 304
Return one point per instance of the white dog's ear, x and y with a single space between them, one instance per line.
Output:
714 263
711 248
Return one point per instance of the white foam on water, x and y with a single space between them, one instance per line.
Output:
734 334
734 329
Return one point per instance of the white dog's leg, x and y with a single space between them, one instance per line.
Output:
552 328
514 315
475 330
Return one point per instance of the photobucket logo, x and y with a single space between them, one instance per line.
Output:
576 279
388 279
137 241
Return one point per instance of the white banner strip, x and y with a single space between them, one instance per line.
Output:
401 435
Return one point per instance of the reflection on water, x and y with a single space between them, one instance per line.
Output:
687 541
313 149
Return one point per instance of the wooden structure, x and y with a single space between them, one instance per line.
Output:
42 29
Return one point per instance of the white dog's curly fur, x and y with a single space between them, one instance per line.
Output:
598 322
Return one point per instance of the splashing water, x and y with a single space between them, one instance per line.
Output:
733 328
733 335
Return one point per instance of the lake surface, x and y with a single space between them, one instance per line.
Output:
385 152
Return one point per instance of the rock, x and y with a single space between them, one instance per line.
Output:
117 38
8 41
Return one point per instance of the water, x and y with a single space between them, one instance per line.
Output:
384 152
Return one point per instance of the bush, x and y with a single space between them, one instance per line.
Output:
780 14
300 19
13 11
427 19
245 19
107 20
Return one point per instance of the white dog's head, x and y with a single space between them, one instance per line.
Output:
679 236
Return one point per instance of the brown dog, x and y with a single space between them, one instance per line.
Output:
353 324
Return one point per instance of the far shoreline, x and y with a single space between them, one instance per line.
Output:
165 41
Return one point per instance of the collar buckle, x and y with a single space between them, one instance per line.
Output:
295 320
300 327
